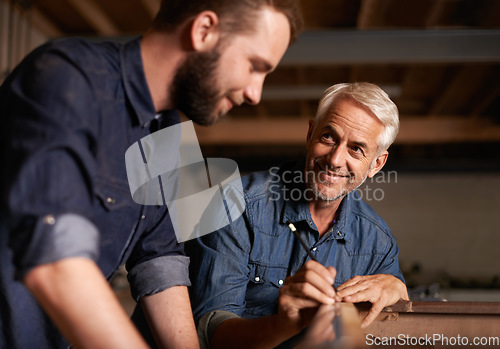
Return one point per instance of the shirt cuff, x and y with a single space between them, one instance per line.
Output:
209 322
59 237
158 274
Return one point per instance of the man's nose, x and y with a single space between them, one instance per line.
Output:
337 156
253 92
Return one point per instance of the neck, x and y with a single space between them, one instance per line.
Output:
323 214
161 54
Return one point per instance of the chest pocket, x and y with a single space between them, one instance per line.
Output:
116 212
263 289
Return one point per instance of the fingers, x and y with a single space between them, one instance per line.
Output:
309 291
372 314
370 287
381 290
333 273
313 281
310 287
357 289
327 274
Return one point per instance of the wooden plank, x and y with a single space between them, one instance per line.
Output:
95 17
436 323
437 12
152 7
438 307
43 24
413 130
370 12
459 93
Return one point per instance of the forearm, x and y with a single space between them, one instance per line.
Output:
264 332
76 296
170 318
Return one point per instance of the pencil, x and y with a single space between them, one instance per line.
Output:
303 243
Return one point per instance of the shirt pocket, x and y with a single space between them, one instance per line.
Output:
115 212
263 289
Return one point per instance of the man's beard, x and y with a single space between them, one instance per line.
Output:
194 90
322 190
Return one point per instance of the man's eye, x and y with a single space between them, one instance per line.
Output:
357 150
326 136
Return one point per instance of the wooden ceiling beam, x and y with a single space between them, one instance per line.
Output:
461 91
371 13
367 14
43 24
151 6
485 101
436 13
492 15
413 130
96 17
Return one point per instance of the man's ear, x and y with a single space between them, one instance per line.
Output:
378 164
205 31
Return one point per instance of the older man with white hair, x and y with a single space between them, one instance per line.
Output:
254 283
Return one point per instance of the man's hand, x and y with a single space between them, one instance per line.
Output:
381 290
299 299
303 292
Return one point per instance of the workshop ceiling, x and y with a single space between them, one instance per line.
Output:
439 60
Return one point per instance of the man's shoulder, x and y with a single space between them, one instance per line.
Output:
365 214
79 46
260 184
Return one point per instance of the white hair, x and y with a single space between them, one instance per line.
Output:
372 97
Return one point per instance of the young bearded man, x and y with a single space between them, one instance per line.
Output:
70 111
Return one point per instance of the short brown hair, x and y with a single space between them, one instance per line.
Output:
235 15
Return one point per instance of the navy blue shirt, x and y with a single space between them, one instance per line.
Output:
240 268
69 112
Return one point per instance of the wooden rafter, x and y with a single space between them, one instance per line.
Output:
152 6
413 130
96 18
460 91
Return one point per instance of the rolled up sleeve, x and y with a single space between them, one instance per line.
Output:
158 274
49 170
55 238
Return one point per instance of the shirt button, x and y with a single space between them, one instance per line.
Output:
110 200
339 233
280 282
49 219
314 249
257 279
143 217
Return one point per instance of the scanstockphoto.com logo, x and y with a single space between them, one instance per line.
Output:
297 185
168 168
431 340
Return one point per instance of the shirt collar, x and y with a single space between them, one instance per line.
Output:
134 81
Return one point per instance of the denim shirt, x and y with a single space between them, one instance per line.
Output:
240 268
69 112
